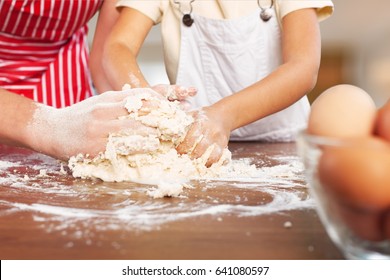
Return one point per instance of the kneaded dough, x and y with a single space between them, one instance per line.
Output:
150 159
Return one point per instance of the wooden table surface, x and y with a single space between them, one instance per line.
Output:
45 213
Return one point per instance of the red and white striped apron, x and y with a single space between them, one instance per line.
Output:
44 49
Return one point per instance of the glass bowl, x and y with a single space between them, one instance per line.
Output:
347 229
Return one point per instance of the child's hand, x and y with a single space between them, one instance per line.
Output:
207 130
175 92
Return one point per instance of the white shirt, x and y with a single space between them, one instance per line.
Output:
168 14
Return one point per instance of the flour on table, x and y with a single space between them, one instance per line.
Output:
77 208
167 189
152 159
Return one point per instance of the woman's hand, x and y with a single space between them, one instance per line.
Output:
85 126
209 129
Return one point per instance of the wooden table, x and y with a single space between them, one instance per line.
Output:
45 213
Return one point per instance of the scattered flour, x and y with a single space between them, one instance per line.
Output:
57 202
5 164
153 159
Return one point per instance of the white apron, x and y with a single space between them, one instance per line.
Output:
221 57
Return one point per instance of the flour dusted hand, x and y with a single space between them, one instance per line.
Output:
85 127
207 137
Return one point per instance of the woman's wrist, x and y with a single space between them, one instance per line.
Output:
41 130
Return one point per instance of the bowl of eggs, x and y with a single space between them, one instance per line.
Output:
346 153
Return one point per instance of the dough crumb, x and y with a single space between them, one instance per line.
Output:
42 173
167 189
62 169
287 224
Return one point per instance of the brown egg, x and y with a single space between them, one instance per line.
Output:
342 111
358 173
383 122
356 176
364 224
386 224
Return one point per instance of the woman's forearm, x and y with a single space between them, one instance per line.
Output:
61 133
16 115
